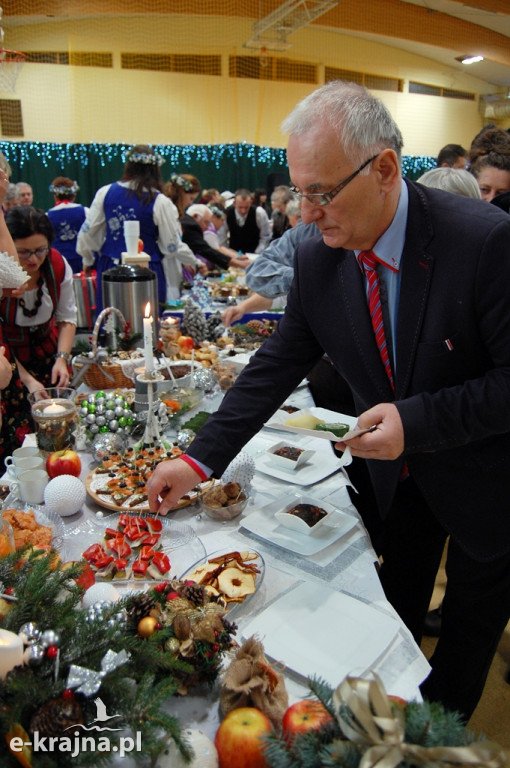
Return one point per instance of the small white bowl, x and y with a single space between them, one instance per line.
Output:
290 464
296 524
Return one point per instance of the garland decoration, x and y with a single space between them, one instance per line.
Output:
128 656
369 729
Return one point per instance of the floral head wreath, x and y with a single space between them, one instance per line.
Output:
63 190
145 159
217 211
184 183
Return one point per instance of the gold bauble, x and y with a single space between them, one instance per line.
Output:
147 626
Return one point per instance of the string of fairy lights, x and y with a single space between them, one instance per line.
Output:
21 152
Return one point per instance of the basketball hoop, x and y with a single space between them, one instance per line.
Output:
10 66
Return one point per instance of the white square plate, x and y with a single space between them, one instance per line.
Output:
316 631
263 523
290 465
323 414
320 466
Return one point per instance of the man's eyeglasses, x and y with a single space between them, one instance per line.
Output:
24 253
324 198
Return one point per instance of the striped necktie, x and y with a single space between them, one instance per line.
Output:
368 261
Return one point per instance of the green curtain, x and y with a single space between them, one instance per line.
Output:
223 166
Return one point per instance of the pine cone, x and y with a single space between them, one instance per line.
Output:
51 718
258 326
195 593
139 607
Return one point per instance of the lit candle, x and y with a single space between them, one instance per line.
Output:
11 652
54 409
147 339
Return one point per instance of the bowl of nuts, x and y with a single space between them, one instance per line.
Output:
224 501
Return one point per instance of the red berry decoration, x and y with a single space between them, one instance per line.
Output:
52 651
68 694
172 596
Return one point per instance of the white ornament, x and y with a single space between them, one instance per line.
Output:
97 593
206 755
11 274
241 470
65 495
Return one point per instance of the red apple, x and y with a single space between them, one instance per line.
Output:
239 738
186 343
398 700
65 462
303 716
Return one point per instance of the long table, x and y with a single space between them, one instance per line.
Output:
346 567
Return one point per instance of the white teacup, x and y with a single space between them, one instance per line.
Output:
30 485
30 462
21 453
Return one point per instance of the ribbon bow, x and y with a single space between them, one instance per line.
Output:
100 356
88 681
366 717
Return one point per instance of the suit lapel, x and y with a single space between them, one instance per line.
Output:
416 267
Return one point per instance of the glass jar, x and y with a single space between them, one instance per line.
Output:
55 416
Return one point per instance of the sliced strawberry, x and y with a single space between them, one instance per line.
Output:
154 524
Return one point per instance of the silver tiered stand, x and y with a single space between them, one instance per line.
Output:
151 436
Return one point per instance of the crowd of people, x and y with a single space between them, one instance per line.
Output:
427 258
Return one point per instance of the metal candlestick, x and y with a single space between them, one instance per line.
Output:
151 435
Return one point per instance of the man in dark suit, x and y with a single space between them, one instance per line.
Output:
438 459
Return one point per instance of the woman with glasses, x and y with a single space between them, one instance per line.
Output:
38 327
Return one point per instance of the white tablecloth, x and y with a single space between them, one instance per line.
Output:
348 565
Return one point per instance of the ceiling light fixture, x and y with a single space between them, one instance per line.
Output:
272 31
469 59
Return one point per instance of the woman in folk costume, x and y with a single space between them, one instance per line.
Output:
137 197
38 327
67 217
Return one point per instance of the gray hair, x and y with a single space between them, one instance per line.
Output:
197 210
455 180
12 193
293 208
361 122
281 194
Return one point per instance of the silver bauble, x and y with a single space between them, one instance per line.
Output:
119 401
84 410
204 378
100 408
109 414
118 410
50 637
91 418
113 425
107 443
94 428
33 655
29 633
183 438
100 420
91 399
